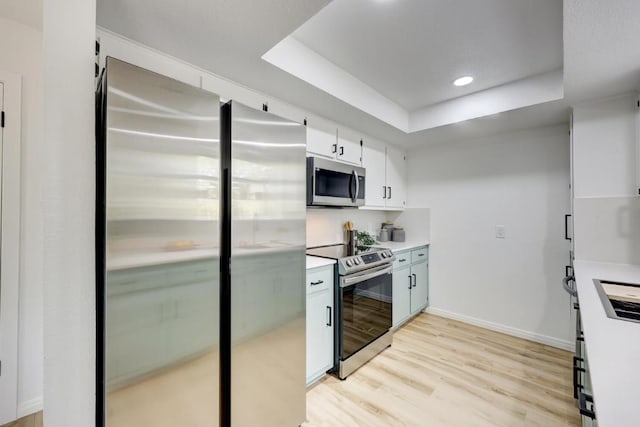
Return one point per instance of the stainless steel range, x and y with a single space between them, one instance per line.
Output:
363 301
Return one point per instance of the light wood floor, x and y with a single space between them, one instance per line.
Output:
33 420
442 373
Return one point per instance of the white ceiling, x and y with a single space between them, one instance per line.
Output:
601 47
601 53
411 50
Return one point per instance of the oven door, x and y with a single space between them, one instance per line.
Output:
364 309
330 183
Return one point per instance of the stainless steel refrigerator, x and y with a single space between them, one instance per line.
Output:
200 237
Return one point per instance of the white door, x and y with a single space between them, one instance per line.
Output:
319 334
401 295
7 409
373 160
9 243
396 178
349 148
321 142
419 292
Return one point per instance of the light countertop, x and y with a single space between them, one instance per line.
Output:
613 346
314 261
133 260
402 246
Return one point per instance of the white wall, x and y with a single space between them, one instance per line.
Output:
21 48
69 28
606 207
519 180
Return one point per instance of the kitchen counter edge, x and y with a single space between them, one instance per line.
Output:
613 346
402 246
314 262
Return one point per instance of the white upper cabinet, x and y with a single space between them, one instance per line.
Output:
349 147
604 147
322 142
374 161
396 178
326 140
386 182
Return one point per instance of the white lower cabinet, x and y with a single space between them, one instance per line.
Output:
320 320
410 284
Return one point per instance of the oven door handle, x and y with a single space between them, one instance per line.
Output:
357 278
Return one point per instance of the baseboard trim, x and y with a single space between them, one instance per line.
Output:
509 330
29 407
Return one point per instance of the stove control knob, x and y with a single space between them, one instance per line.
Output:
384 254
349 263
356 261
389 254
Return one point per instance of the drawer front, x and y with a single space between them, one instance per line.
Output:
135 280
403 259
319 279
419 255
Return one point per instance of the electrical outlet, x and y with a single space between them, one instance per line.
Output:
500 232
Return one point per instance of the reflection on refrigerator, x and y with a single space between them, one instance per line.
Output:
183 338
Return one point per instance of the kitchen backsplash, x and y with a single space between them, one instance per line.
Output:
325 226
607 229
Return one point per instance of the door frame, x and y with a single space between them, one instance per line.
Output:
10 245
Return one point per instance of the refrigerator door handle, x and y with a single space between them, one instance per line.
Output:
329 322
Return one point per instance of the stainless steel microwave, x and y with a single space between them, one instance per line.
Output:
330 183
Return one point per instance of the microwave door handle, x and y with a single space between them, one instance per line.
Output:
355 196
351 185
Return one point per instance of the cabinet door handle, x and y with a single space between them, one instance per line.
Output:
582 403
420 254
316 283
329 322
415 280
576 374
402 260
389 192
410 283
384 191
341 150
334 148
566 227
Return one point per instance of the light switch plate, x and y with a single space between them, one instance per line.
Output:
500 232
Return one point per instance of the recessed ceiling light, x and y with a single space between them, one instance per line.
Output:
462 81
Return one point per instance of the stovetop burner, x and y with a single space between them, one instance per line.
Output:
365 257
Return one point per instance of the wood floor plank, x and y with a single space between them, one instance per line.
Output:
441 372
444 373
